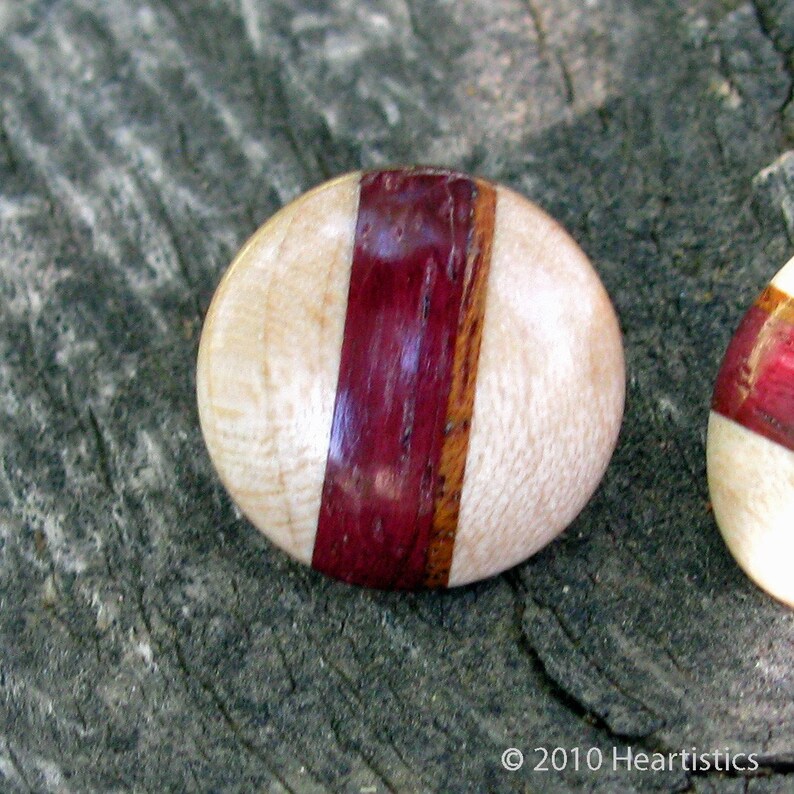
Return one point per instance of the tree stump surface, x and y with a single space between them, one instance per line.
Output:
151 639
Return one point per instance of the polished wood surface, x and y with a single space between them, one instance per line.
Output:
542 414
410 298
460 404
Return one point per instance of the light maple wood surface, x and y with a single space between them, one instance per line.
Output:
751 482
548 399
269 360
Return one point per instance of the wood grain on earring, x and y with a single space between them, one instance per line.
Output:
337 364
409 270
460 404
755 385
777 303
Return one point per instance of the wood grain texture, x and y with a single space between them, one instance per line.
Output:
549 396
751 482
460 404
755 385
151 640
750 443
269 362
418 303
407 280
775 302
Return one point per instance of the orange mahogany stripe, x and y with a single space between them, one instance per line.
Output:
408 368
774 301
460 405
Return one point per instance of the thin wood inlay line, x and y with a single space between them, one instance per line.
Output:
408 368
460 404
776 302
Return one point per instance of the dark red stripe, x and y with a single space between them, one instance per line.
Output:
755 386
403 306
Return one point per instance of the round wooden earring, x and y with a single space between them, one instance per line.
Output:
750 445
410 378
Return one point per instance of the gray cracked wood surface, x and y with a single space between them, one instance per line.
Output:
151 639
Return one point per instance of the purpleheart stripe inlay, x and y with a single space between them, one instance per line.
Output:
755 385
390 422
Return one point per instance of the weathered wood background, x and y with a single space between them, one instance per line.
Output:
151 639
